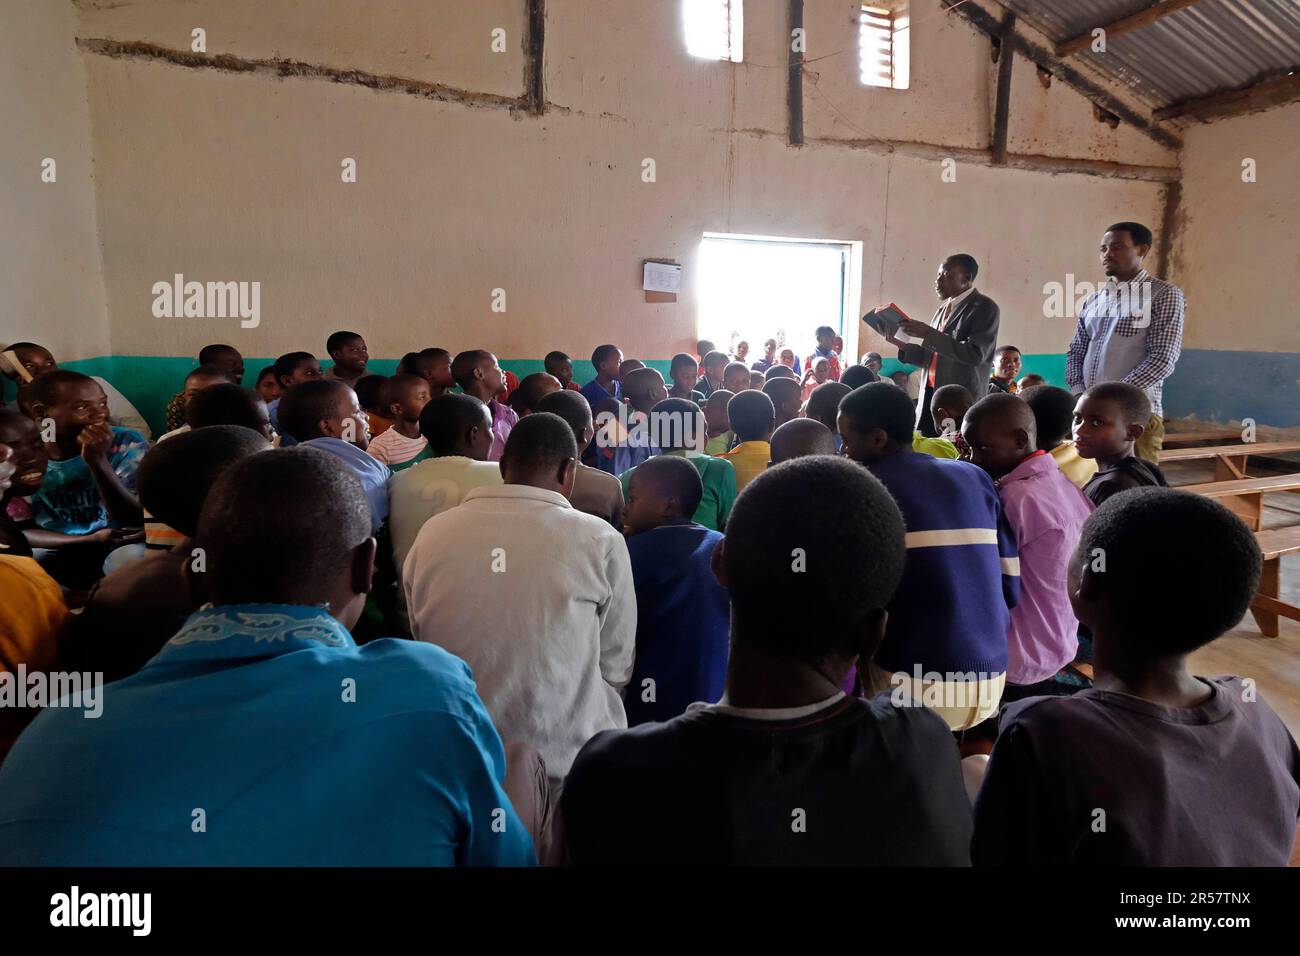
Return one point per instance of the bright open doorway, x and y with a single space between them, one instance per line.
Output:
752 288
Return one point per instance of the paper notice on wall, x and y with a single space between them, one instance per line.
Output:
662 277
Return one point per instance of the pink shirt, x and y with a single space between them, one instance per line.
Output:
504 418
1046 512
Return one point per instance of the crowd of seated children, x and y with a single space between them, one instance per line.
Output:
402 398
535 596
680 428
250 690
595 492
212 358
860 781
1006 366
682 613
585 602
753 419
946 639
132 612
717 424
1053 410
1152 766
1046 513
34 360
1109 418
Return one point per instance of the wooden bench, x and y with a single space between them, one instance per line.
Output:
1267 605
1245 496
1176 439
1229 460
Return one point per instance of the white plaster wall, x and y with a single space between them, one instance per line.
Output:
51 289
1238 250
227 176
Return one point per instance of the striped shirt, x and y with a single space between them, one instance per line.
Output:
952 610
1116 339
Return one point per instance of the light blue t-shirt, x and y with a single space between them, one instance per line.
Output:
69 500
261 735
372 472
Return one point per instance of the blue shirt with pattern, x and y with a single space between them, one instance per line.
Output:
69 500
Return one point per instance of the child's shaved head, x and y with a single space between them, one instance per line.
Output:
1001 432
800 437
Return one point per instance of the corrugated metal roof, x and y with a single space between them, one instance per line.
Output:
1209 47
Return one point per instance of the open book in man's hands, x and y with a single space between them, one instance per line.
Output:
885 319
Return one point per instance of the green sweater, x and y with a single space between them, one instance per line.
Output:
719 477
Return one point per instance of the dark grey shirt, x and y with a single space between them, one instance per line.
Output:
1108 779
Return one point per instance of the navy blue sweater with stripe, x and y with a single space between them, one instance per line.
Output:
952 610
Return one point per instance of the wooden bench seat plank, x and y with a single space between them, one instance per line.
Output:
1182 438
1244 486
1238 450
1276 542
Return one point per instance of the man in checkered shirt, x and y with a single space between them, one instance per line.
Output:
1130 330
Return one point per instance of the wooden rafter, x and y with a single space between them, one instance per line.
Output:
1135 21
1272 92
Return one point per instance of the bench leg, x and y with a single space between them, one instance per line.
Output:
1229 467
1269 587
1248 507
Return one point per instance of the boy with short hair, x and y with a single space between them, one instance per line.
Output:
883 781
800 437
227 404
948 407
403 397
1006 366
350 355
752 418
717 474
197 380
36 360
595 492
824 405
216 361
605 360
683 616
855 376
769 357
946 639
1046 512
1029 381
643 389
825 350
1053 410
685 372
267 385
292 368
735 377
326 415
478 373
712 367
786 396
1108 421
532 389
431 364
458 429
718 433
561 366
627 366
1190 771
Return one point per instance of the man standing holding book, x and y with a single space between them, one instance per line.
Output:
956 348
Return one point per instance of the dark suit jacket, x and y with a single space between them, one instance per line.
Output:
964 346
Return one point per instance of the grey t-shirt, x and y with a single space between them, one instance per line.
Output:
1107 779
